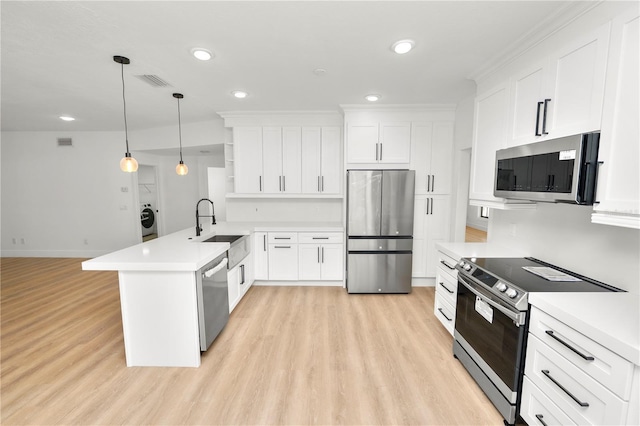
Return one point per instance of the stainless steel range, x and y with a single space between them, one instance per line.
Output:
492 320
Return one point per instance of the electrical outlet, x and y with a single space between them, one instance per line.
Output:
22 241
13 240
124 189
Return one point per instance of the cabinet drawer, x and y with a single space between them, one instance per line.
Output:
319 237
445 313
537 408
282 237
608 368
577 394
448 264
446 286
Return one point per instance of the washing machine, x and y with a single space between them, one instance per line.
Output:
148 219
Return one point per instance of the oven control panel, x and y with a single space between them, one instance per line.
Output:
506 290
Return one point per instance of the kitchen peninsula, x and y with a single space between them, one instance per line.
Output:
158 297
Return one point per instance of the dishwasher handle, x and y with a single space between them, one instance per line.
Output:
210 272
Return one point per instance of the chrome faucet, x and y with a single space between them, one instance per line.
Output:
212 216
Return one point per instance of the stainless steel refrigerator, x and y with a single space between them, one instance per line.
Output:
379 230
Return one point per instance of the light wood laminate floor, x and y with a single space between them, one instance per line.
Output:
289 355
474 235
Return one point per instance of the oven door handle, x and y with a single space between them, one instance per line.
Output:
517 318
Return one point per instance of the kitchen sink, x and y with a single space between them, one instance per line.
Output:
239 247
223 239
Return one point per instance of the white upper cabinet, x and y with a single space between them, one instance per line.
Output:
618 193
432 156
561 94
321 160
281 156
489 135
247 156
378 142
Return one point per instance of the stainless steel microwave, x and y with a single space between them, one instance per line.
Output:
557 170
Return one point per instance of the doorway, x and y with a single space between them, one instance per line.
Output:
148 195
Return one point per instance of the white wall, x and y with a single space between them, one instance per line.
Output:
563 235
69 202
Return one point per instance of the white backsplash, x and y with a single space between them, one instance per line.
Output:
563 235
284 210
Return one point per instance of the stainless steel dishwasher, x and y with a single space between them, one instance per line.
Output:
213 300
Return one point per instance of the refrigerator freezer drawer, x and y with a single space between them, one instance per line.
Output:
380 244
379 273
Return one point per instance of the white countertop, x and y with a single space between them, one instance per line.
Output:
458 250
611 319
183 251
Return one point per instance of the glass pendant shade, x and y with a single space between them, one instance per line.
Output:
182 169
128 163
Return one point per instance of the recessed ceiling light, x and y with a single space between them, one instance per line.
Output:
239 94
373 98
402 46
202 54
66 118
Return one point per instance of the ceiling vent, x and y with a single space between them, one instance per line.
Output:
153 80
65 142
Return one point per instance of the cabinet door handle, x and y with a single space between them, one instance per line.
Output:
322 181
433 183
583 356
538 119
444 315
260 183
453 268
427 208
319 184
580 403
377 150
318 254
540 417
428 183
281 246
431 206
280 183
322 251
241 274
264 242
445 287
380 151
544 117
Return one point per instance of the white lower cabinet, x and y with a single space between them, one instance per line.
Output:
283 261
261 256
446 291
240 278
572 379
321 256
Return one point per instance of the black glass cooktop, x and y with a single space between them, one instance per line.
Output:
511 271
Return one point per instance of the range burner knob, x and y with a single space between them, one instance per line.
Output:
501 286
511 293
466 267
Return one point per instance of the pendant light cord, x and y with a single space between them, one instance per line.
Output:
179 129
124 101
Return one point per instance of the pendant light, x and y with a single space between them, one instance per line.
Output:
128 163
181 168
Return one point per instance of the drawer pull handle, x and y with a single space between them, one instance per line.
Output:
583 356
580 403
444 315
320 238
453 268
281 238
540 417
445 287
281 246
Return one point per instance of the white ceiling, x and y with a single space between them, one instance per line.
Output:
57 56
